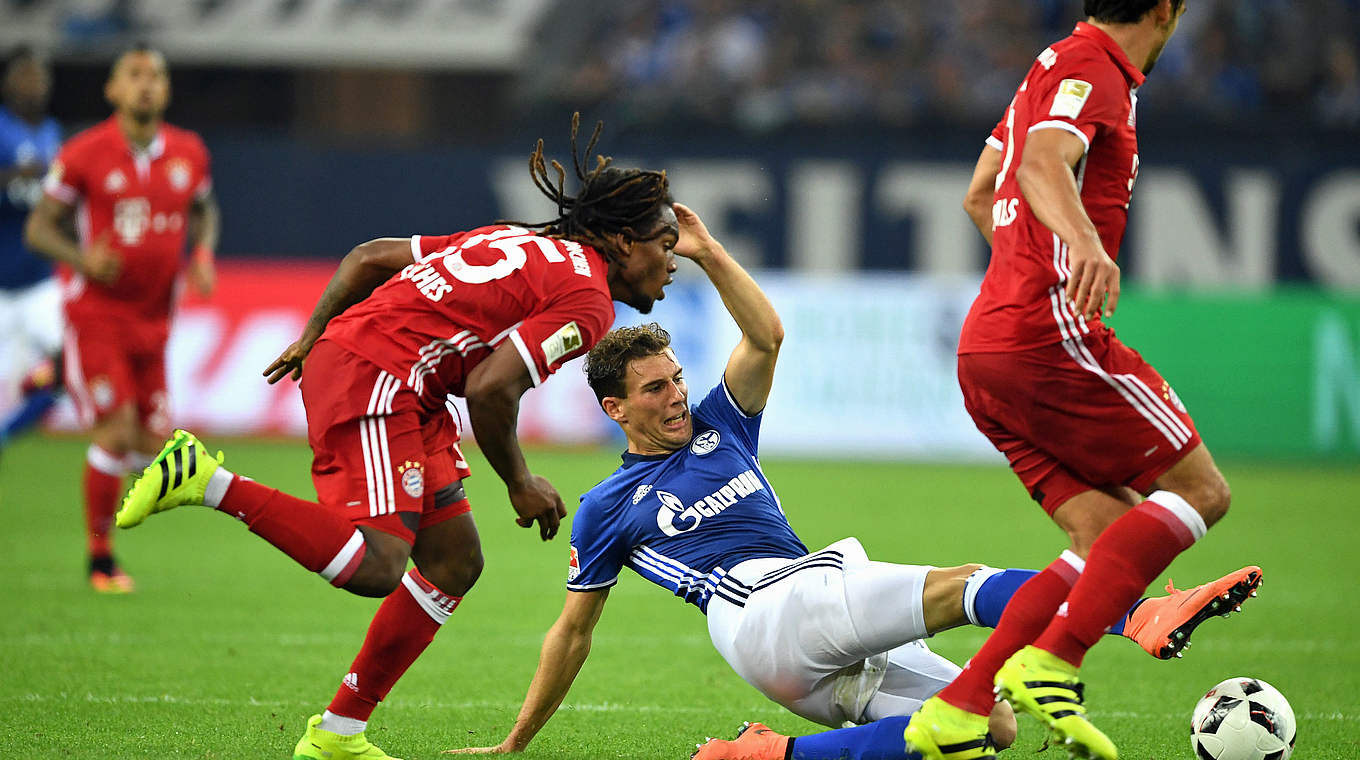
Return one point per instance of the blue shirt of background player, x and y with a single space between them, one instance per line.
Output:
682 520
22 143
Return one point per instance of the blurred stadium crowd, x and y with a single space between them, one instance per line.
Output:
754 65
764 64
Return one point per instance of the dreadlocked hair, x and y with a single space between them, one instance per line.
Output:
609 199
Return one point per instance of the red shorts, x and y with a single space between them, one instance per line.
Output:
110 364
376 452
1077 415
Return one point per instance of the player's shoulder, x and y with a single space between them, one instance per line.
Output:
182 139
93 138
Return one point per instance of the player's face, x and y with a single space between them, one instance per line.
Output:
655 412
140 85
646 269
27 87
1165 36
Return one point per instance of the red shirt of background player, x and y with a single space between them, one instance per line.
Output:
139 202
1084 84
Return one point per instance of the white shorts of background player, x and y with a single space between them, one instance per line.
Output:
30 329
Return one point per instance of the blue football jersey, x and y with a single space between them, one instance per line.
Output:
22 143
681 520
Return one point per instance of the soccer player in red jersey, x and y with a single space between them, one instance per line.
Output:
405 323
1096 435
136 189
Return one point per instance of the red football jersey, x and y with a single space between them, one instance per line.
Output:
1087 86
138 199
467 293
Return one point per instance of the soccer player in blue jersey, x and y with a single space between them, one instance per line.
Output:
830 635
30 301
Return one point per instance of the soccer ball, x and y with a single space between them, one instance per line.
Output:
1242 719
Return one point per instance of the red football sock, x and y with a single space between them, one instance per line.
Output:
404 626
317 538
1026 614
103 489
1127 556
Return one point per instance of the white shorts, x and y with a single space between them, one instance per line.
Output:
832 636
30 328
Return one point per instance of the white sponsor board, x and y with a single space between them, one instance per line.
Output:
867 368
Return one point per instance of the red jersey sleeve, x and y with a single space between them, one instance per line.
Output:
997 139
1084 96
424 245
204 167
65 180
565 330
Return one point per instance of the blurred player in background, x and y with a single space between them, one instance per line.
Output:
30 300
136 189
830 635
1096 435
486 315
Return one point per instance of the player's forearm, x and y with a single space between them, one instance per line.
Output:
44 235
358 275
745 301
1051 192
205 220
494 414
564 652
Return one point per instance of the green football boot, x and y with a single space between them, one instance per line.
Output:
318 744
178 475
941 731
1044 685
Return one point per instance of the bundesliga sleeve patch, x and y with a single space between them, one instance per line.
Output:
564 341
573 566
1071 97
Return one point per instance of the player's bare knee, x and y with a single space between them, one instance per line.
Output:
1002 726
1213 499
455 574
379 572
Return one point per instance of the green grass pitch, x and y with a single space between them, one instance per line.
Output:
227 646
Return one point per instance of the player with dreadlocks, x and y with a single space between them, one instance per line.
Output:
404 324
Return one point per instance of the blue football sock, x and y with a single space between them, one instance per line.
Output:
880 740
985 601
28 414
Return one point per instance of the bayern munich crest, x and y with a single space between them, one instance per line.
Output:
412 478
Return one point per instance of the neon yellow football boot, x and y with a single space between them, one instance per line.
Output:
177 476
1046 686
941 731
318 744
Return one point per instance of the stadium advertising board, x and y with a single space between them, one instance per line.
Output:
867 368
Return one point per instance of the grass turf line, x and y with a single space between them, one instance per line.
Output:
227 646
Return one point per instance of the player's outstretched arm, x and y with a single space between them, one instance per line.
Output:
564 652
1046 179
982 190
750 369
493 390
362 270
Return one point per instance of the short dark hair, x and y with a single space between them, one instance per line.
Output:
1121 11
607 363
140 46
609 199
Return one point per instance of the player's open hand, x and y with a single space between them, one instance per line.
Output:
537 501
100 262
695 241
289 362
1093 285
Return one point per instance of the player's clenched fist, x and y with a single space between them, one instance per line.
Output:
537 501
